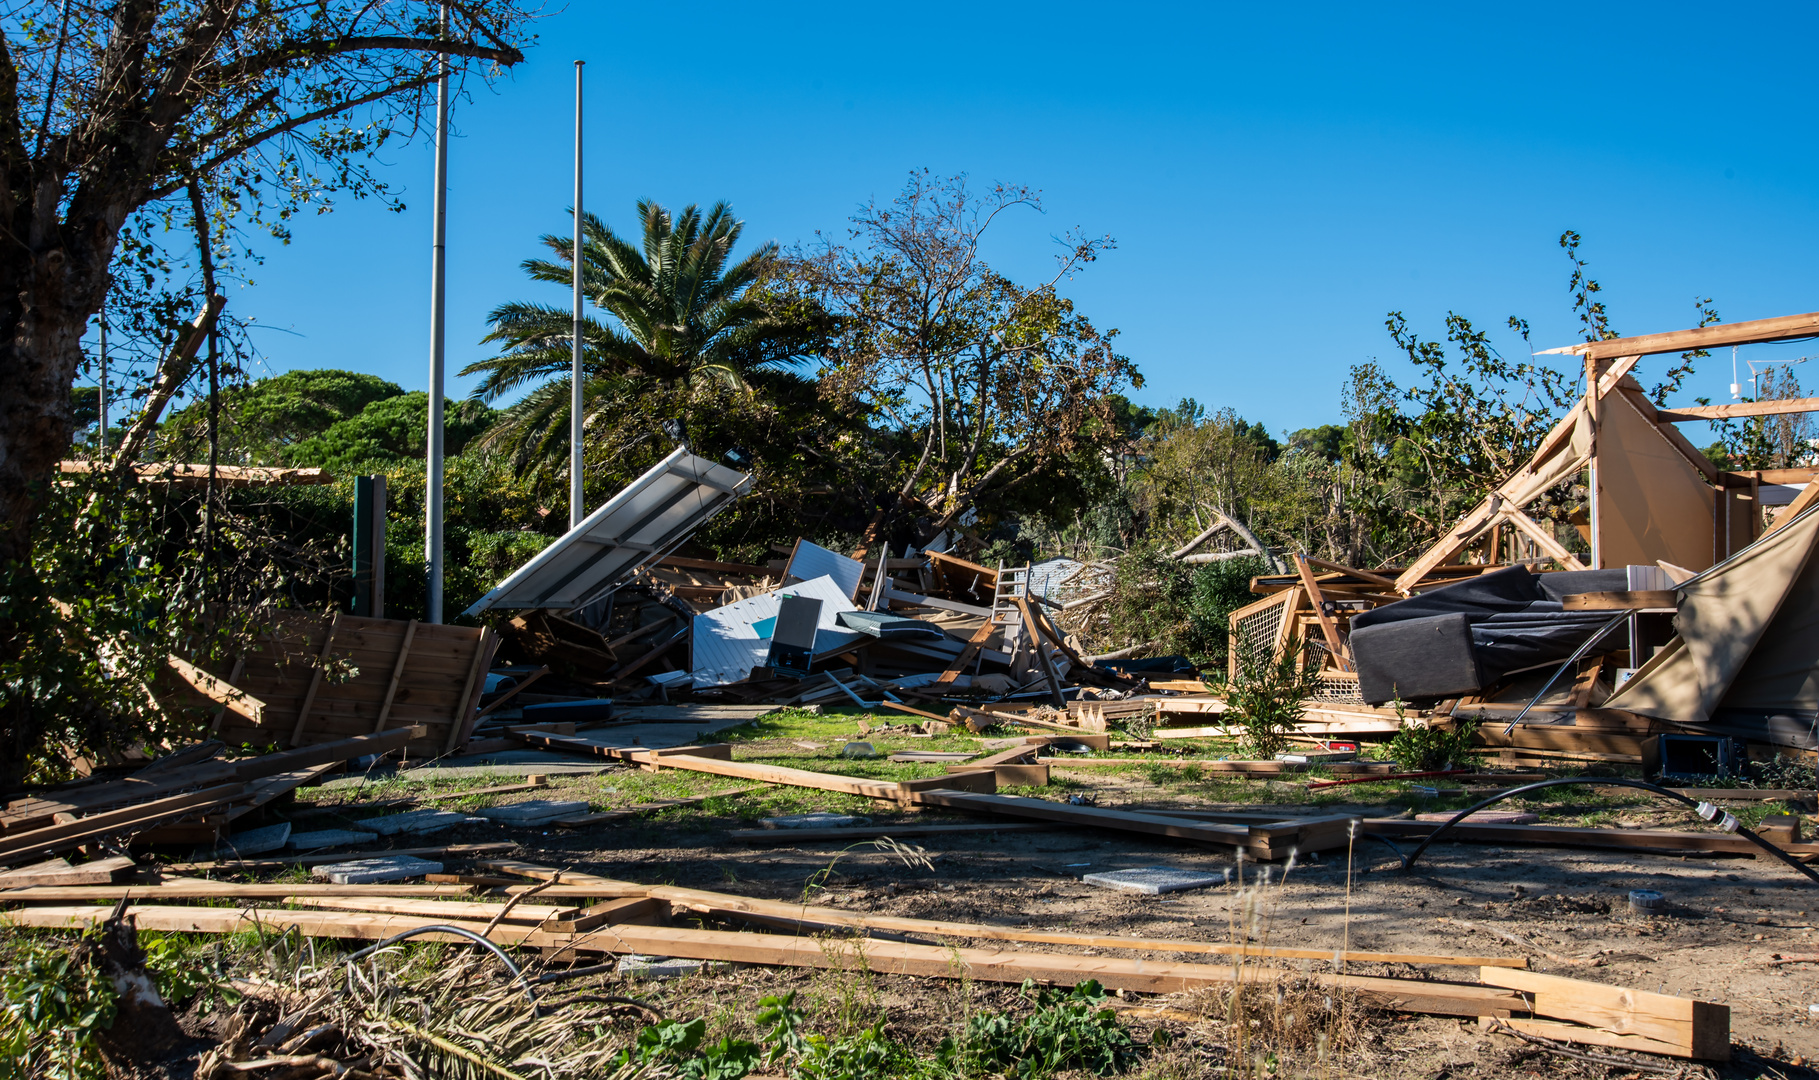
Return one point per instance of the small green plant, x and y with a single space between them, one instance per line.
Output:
1267 698
53 1001
679 1046
1430 749
1068 1030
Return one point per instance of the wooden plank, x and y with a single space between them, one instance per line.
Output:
217 690
736 569
452 851
391 689
1588 1036
315 679
470 696
518 687
973 645
127 819
743 770
58 871
1628 839
984 781
884 957
1043 661
1698 1029
1755 331
1329 627
1634 599
604 816
1543 539
180 889
1777 407
437 909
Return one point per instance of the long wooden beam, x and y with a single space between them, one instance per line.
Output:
1782 407
1753 332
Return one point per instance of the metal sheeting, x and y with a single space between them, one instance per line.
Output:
811 561
637 526
728 642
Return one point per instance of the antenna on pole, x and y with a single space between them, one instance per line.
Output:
576 508
432 494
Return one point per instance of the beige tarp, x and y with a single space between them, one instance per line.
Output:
1652 502
1763 601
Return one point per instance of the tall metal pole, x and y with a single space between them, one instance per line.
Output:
576 507
101 421
432 498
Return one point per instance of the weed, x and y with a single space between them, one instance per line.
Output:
53 1001
1430 749
1066 1031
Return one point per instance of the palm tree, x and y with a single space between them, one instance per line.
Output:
685 328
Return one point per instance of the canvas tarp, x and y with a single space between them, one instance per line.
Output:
1749 640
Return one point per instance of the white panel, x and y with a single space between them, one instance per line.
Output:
813 561
639 525
726 645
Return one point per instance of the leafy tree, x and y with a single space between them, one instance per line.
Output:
116 121
973 383
391 429
684 316
261 423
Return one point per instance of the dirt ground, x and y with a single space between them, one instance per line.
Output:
1727 917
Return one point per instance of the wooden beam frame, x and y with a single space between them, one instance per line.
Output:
1753 332
1782 407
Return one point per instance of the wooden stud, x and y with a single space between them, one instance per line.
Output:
1329 628
315 679
391 690
469 704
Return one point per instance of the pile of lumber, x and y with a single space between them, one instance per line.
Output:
186 797
628 918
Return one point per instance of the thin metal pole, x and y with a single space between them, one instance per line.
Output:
432 498
101 428
576 507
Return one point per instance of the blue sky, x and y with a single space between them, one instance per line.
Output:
1277 178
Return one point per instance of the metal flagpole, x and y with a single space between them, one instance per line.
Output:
432 500
576 508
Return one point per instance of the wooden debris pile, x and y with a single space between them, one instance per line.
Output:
187 797
578 918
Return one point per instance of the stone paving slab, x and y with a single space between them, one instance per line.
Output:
376 871
1153 880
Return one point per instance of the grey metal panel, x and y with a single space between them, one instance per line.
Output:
636 527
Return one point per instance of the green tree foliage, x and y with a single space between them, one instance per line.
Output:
1184 608
262 422
389 430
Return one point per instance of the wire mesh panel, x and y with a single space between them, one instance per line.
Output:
1256 628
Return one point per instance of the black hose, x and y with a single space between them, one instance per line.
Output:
1704 809
517 976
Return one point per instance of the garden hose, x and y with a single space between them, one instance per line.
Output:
1705 810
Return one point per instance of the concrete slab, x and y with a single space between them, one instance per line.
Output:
820 819
256 841
1153 880
416 821
657 967
327 838
533 812
376 871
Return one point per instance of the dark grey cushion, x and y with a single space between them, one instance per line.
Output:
1563 583
1416 659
